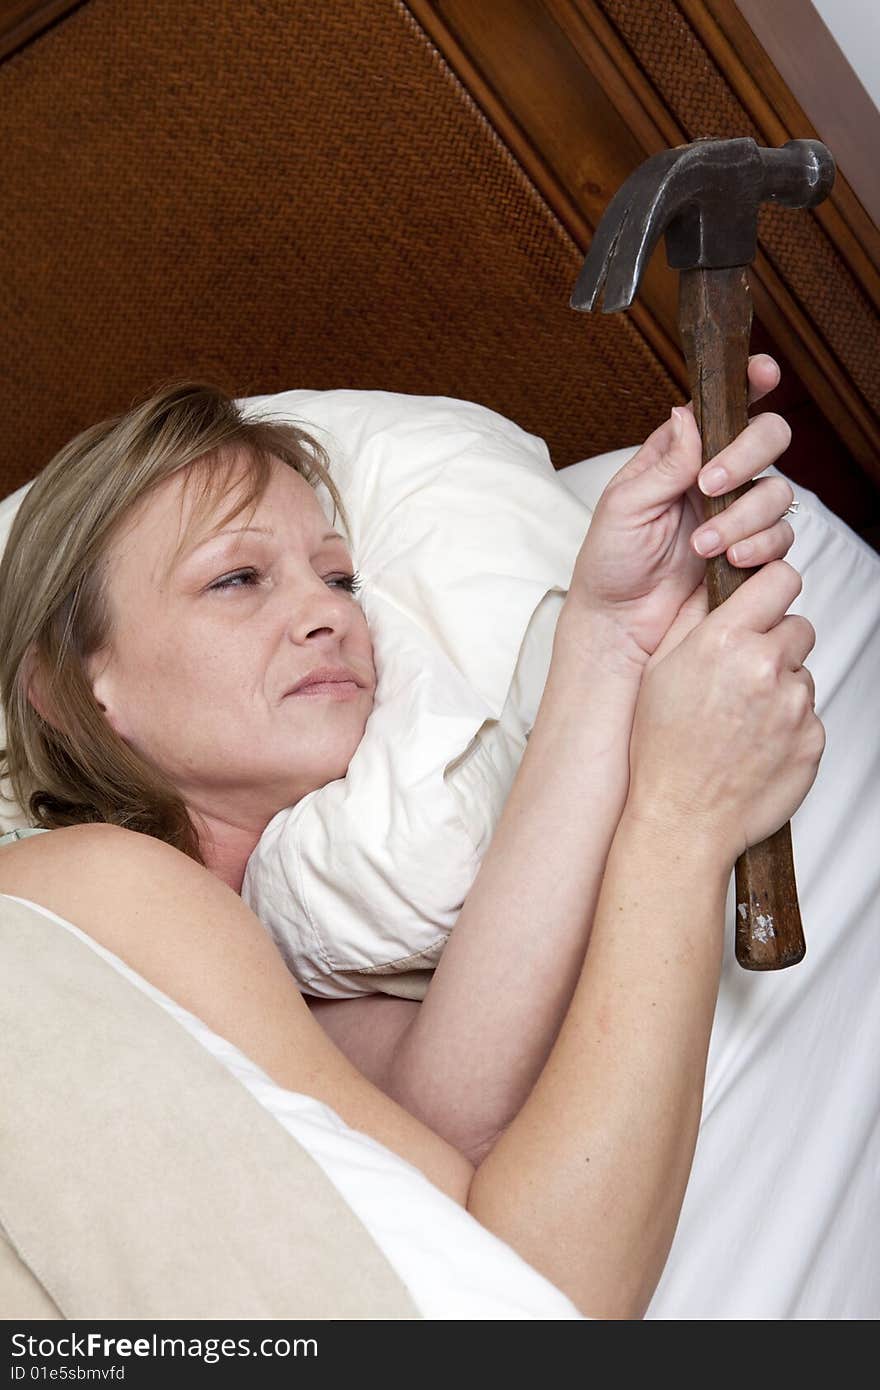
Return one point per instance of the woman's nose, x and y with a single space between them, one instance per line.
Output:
319 609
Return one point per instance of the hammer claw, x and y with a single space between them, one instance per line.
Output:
633 223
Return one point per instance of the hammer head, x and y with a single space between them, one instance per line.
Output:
705 198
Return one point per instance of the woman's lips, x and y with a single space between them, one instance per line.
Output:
337 682
332 690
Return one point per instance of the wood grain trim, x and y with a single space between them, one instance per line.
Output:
508 128
759 86
21 21
828 384
599 48
536 169
815 72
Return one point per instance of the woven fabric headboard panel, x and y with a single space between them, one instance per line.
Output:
269 196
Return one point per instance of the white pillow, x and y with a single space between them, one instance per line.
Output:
462 534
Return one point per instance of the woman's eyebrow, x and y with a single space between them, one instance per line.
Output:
179 558
227 531
239 530
234 531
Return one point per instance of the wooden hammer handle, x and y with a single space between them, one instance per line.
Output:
715 319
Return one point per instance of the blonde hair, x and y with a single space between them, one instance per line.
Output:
54 605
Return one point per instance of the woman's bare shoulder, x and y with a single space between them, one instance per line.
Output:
78 861
141 898
188 933
25 864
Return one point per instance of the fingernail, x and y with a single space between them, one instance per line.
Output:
742 551
712 480
765 356
676 423
705 542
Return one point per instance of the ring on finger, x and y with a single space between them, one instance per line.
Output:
795 507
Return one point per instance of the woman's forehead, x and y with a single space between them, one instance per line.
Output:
197 500
288 503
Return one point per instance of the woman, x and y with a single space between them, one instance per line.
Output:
163 664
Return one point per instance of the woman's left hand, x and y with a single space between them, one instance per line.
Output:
642 557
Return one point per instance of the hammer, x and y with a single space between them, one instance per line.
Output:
705 198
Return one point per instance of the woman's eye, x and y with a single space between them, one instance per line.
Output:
242 579
229 580
350 582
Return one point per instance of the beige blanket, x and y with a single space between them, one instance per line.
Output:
138 1179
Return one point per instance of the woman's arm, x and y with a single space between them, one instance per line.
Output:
725 746
475 1047
611 1125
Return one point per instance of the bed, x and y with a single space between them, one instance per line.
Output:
266 262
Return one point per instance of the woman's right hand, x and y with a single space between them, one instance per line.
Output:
725 738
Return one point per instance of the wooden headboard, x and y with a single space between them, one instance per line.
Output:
381 195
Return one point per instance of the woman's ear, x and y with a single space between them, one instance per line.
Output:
96 668
101 674
39 694
37 690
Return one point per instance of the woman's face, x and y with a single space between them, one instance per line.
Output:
199 673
